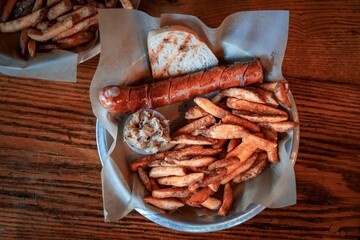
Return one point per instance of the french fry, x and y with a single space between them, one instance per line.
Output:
231 119
171 193
210 107
281 91
280 126
211 178
243 94
50 32
46 47
126 4
181 181
50 3
110 3
59 9
220 143
254 171
184 152
270 134
231 168
214 186
199 161
78 27
197 169
268 96
186 201
179 146
7 9
37 5
197 124
81 13
144 161
195 112
259 118
31 47
270 86
223 163
144 178
75 40
43 25
200 196
24 40
233 143
224 131
240 168
273 155
212 203
23 22
193 140
259 142
158 172
216 99
258 108
243 151
227 200
164 203
161 163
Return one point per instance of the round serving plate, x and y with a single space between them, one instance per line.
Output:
104 141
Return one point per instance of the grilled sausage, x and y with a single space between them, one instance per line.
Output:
119 100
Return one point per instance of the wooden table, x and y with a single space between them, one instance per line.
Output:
50 185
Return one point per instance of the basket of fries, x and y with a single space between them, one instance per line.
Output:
36 33
234 131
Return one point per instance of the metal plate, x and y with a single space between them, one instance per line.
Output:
104 140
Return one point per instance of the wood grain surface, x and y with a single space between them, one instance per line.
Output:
50 185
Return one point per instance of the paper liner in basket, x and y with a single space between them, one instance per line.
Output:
124 61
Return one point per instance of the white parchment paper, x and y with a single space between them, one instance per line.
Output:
124 61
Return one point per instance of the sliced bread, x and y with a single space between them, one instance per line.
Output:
177 50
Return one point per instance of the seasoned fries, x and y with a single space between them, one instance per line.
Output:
157 172
254 171
211 108
195 162
53 23
224 131
195 112
200 196
193 140
23 22
164 203
211 203
231 119
181 181
243 94
227 200
217 147
280 126
258 108
256 118
144 178
197 124
281 91
171 193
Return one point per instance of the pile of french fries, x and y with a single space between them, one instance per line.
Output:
51 24
228 140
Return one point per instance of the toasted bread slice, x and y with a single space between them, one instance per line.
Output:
177 50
